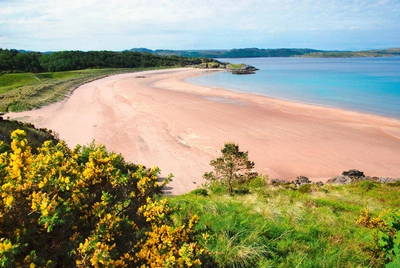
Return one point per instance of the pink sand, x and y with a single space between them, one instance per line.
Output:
162 120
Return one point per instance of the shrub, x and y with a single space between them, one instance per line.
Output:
387 233
86 207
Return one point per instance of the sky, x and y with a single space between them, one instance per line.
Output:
54 25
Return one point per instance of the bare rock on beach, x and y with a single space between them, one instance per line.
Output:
348 177
354 175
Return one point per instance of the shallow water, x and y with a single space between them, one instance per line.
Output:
369 85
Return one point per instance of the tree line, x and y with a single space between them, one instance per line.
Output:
12 60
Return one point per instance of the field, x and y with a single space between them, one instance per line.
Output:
27 91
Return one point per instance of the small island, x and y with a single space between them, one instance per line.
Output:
241 68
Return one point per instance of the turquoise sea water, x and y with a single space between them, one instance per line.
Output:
369 85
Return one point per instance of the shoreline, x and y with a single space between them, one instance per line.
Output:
361 113
157 118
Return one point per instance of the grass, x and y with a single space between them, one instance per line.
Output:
277 227
236 66
27 91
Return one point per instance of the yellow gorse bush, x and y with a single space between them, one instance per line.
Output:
87 207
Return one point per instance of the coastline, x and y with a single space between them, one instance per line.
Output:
157 118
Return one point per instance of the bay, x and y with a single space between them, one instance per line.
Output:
368 85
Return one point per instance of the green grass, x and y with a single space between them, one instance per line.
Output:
235 66
277 227
11 81
27 91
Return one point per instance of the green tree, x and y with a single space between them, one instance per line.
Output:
233 165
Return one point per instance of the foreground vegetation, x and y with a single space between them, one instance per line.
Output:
88 207
272 226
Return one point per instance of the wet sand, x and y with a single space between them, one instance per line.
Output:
156 118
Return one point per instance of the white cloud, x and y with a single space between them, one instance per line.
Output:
178 24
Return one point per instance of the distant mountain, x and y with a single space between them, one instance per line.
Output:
279 52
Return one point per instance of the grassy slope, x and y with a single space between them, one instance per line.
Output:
277 227
27 91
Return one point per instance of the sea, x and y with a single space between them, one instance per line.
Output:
368 85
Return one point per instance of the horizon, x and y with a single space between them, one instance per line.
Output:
93 25
211 49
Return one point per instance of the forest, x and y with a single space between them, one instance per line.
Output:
36 62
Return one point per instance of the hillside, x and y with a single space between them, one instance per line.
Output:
280 52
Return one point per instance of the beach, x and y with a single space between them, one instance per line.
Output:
156 118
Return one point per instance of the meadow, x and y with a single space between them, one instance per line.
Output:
284 226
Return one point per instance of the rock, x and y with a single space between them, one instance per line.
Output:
348 177
353 173
383 180
301 180
340 180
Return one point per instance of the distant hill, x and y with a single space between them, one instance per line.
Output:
233 53
279 52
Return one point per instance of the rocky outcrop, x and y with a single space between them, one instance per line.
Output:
299 181
354 175
347 177
241 69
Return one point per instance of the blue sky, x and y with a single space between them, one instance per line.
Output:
44 25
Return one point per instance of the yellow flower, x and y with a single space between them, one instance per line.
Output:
9 200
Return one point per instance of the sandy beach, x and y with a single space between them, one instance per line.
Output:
156 118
